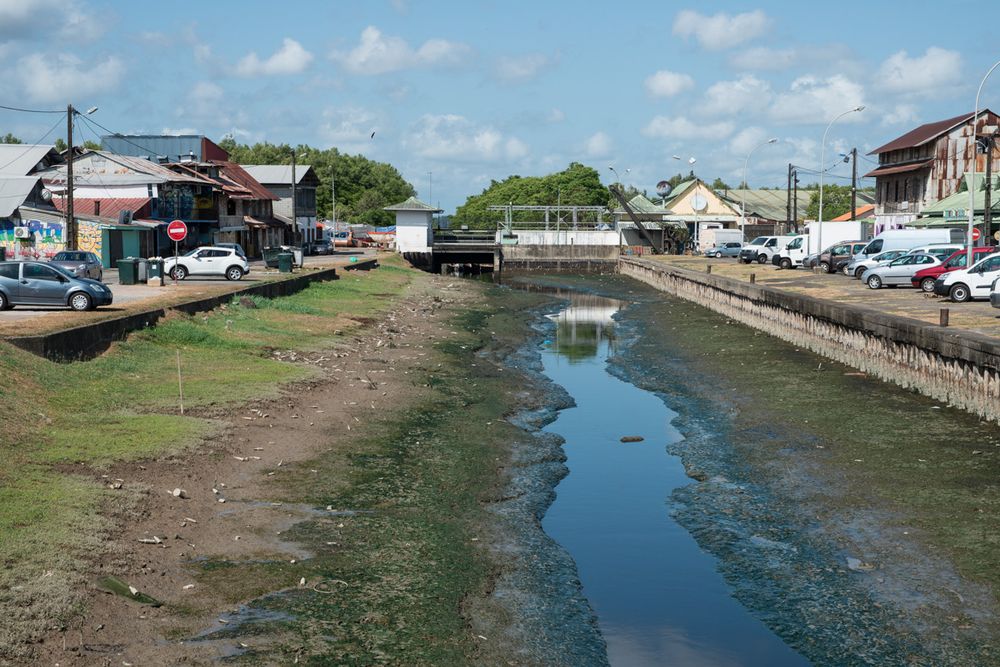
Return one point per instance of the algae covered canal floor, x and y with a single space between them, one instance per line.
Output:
780 510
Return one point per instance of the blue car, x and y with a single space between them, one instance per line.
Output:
45 284
725 250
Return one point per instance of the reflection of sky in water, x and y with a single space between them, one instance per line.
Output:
582 326
658 597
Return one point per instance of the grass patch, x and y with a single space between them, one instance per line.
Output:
122 406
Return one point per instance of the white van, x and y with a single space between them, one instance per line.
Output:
763 248
904 239
975 282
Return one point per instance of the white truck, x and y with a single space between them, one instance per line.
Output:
807 244
718 238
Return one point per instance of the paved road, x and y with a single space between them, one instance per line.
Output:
193 286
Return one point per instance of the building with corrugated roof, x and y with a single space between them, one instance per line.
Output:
278 179
926 165
414 225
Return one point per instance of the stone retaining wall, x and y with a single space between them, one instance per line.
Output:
960 368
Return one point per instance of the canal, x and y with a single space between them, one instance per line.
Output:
779 510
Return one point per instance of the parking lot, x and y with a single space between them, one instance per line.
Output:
23 320
902 301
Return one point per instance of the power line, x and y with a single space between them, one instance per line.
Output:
119 135
31 146
31 110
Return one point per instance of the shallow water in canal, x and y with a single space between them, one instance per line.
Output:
780 509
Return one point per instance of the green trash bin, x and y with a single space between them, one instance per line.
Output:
285 262
155 274
128 271
271 256
3 254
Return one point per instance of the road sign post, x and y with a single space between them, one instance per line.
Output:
176 231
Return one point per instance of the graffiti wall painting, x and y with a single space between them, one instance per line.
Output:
44 239
88 236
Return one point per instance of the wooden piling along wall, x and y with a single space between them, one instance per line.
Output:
959 368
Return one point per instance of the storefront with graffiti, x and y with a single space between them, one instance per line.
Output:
32 234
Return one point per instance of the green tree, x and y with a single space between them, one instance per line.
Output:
364 187
9 139
719 184
836 201
577 185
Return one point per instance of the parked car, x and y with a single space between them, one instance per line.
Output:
858 265
79 263
320 248
899 271
24 283
836 256
725 250
942 250
207 261
975 282
904 239
925 278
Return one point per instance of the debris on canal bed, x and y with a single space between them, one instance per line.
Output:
632 438
116 586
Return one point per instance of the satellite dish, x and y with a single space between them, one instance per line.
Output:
699 203
663 188
46 194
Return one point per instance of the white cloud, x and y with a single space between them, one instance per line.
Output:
814 100
22 19
58 77
598 145
291 58
731 98
349 129
764 58
746 139
721 31
664 127
377 53
937 68
455 137
665 83
901 114
521 68
556 116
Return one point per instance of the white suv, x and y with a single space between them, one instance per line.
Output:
207 261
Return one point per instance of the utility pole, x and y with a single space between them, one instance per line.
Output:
788 198
795 197
70 217
295 220
854 183
988 198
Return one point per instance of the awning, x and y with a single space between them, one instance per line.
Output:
899 169
262 223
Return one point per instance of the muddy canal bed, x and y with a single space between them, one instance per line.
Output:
779 510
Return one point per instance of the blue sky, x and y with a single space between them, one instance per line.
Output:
475 91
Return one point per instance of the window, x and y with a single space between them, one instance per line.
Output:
874 247
39 272
9 270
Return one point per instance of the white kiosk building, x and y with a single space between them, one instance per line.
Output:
414 226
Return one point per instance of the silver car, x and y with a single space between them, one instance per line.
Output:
899 271
46 284
80 263
856 267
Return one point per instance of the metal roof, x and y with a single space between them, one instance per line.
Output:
925 133
13 191
768 204
641 205
23 159
110 207
104 168
237 174
900 169
864 211
276 173
959 201
413 204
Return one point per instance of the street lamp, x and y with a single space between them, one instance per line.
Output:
972 184
822 170
743 190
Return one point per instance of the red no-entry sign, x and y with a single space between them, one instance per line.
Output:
177 231
975 234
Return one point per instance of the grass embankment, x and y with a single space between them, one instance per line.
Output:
400 567
124 405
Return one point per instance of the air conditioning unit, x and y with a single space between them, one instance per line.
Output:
22 233
125 217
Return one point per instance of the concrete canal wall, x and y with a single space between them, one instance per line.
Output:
961 368
585 258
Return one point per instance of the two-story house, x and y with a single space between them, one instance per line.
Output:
278 179
926 165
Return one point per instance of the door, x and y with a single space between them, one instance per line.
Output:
982 280
42 285
898 270
10 280
200 263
